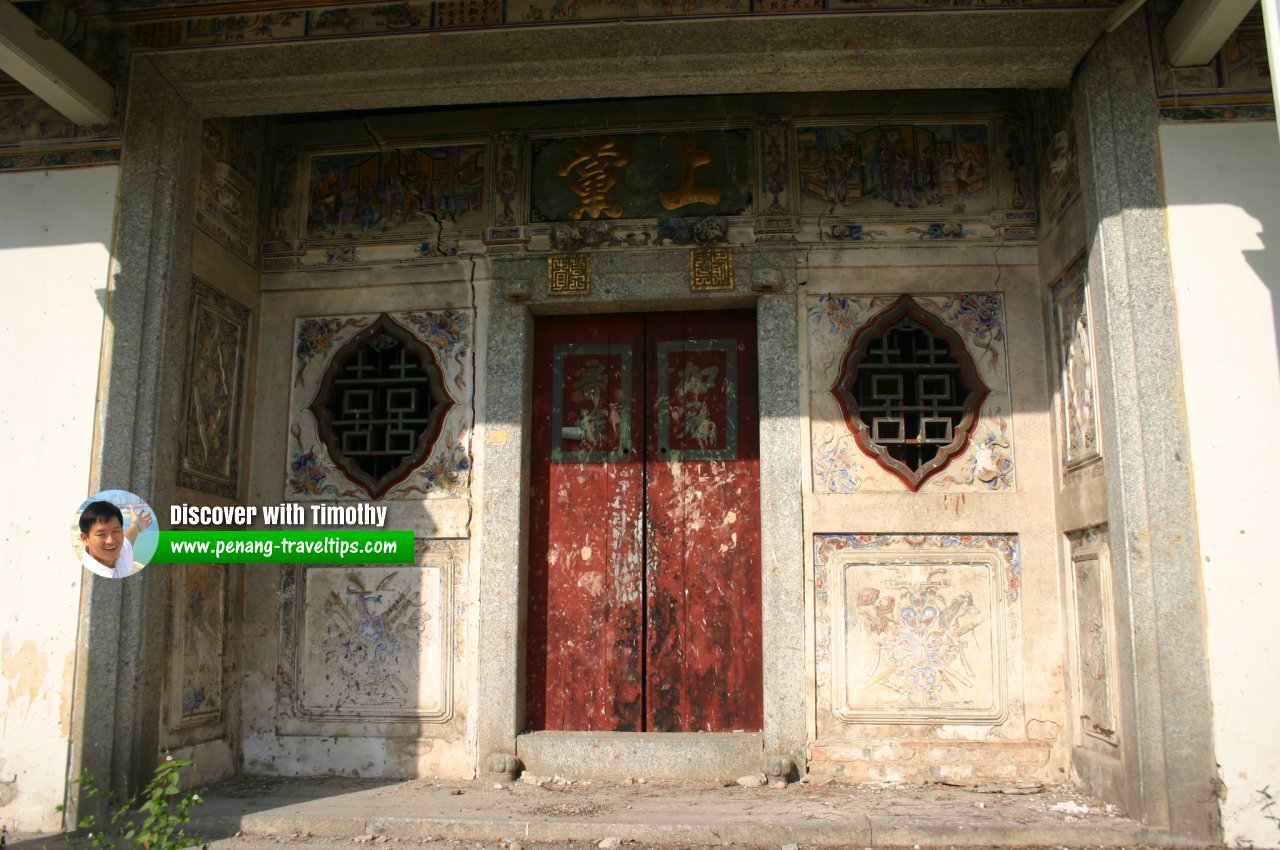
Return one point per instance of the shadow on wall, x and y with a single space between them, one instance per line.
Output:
1231 167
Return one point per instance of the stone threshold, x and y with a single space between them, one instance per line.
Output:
641 755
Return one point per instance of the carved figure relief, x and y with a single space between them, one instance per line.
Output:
893 167
227 204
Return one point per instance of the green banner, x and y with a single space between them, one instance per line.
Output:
290 546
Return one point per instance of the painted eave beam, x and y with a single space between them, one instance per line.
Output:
33 58
1200 27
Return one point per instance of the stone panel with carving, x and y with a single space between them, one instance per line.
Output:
1080 446
1094 633
213 393
230 166
371 643
840 466
311 473
195 674
1055 140
919 628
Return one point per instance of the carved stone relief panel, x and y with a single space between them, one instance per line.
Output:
1055 139
213 392
985 464
230 166
1080 445
445 337
195 682
370 644
1094 636
919 628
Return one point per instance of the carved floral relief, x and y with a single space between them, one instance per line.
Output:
919 628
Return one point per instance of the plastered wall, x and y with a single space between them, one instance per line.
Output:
1222 190
319 696
968 557
56 230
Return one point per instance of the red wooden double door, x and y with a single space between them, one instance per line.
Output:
644 588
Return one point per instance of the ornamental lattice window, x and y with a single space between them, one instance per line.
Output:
909 391
380 406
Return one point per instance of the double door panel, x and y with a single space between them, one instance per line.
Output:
644 548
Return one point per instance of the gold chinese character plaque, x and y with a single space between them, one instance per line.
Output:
569 274
710 269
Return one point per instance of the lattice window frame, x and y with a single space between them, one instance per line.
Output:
442 402
865 434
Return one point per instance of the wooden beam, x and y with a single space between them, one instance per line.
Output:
32 57
1200 27
1271 25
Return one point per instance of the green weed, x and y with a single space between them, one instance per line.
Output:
153 819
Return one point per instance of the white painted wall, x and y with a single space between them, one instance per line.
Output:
55 235
1222 185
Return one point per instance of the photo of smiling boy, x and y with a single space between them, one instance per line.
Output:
108 545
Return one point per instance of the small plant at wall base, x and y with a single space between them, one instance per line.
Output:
151 820
1268 804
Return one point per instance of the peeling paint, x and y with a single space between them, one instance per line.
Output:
25 670
64 701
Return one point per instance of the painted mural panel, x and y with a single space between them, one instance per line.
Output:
368 20
199 637
213 392
841 466
312 473
919 628
881 168
915 180
370 644
1077 376
397 193
547 11
685 173
1234 85
1096 699
244 29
